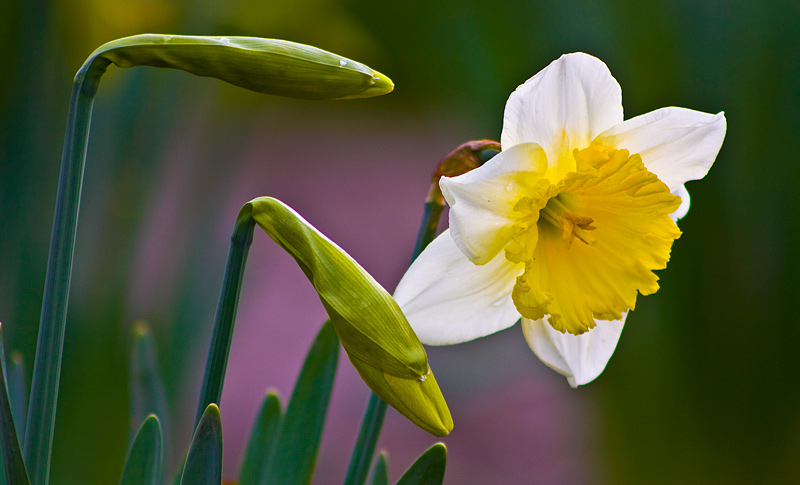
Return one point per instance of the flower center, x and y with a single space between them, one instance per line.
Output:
620 213
571 224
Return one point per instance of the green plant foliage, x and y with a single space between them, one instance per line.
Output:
204 461
143 465
294 454
428 469
374 332
365 443
17 390
147 390
225 316
380 471
268 66
261 442
13 464
263 65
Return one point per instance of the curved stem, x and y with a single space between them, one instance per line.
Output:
52 325
224 319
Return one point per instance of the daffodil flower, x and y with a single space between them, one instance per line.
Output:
565 226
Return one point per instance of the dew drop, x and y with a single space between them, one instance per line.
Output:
167 38
342 63
225 40
422 378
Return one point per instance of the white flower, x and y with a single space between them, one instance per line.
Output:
565 226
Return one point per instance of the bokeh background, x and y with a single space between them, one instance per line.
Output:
703 386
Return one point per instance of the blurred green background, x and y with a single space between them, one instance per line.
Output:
702 386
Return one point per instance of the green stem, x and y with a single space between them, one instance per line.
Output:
225 317
427 229
376 407
365 443
47 366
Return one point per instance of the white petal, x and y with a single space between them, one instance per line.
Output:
581 358
677 144
564 106
482 200
448 299
685 202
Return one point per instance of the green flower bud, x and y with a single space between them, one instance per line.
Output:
267 66
420 400
373 330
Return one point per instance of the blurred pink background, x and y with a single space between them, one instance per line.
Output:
515 420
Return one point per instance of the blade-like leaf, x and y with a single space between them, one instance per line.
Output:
428 469
13 464
380 472
294 455
143 465
18 390
261 442
268 66
147 391
204 461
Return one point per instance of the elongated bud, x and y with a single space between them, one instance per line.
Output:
368 321
267 66
373 330
419 400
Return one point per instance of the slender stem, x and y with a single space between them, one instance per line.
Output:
427 230
52 325
372 423
365 443
222 333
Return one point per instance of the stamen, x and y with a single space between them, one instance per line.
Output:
571 224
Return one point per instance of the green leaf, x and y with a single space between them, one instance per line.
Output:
380 472
261 442
204 460
374 332
294 455
267 66
18 390
147 391
143 465
428 469
13 464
